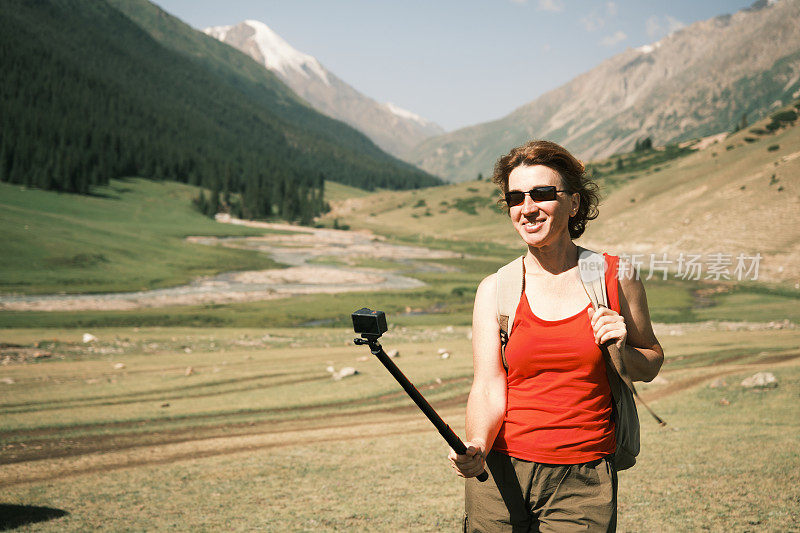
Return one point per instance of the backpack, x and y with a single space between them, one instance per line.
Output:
591 265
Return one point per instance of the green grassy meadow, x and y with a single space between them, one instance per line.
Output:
128 236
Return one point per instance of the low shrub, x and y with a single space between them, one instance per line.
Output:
786 115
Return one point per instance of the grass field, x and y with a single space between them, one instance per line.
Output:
258 435
128 236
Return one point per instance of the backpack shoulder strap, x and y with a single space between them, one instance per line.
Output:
510 284
592 268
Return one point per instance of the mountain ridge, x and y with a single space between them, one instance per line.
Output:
695 82
118 88
394 129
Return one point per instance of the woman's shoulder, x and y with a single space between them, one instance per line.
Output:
489 283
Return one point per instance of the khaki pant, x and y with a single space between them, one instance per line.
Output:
522 496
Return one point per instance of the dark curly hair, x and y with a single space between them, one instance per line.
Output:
572 172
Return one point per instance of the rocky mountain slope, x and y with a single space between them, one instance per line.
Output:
390 127
695 82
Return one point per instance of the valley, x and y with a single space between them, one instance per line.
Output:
187 228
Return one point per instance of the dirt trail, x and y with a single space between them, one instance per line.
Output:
46 443
49 470
160 397
54 458
709 373
298 249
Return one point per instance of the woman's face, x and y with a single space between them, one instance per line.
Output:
541 223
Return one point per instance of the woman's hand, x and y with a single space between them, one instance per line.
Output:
471 463
608 325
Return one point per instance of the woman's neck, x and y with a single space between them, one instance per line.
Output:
555 258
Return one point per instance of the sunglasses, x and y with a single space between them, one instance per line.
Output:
544 193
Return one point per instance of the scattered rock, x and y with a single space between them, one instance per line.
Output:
330 369
360 359
344 373
445 355
760 380
393 354
442 350
164 405
88 337
449 329
718 384
189 371
724 401
187 350
438 381
784 324
119 366
7 381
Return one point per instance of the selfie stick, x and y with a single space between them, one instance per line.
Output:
444 430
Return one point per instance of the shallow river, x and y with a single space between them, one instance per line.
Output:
297 248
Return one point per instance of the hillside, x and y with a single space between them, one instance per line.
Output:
96 90
739 195
394 130
697 81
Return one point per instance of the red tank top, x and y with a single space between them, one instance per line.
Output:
558 409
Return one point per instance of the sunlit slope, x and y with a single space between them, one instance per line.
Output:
462 212
718 199
739 195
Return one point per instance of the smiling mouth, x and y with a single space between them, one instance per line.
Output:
533 225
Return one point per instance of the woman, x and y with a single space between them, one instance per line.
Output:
543 428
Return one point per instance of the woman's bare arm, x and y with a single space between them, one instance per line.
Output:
643 354
486 405
632 330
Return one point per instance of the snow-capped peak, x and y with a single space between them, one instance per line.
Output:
278 55
403 113
218 32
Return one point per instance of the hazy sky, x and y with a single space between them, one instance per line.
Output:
458 62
